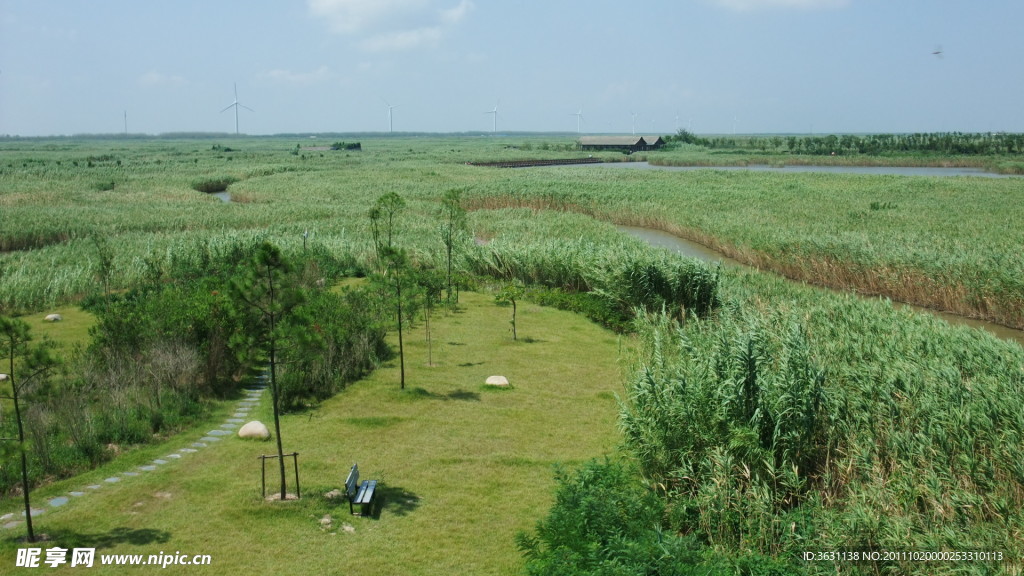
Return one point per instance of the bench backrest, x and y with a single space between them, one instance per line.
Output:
353 481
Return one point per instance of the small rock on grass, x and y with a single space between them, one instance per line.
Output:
497 381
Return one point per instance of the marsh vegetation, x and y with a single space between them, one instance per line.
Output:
757 418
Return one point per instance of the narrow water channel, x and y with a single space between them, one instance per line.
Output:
693 250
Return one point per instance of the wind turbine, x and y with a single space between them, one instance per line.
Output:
494 119
579 120
391 126
235 105
633 114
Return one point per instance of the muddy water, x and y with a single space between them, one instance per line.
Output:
692 249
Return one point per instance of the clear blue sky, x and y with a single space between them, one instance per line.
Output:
753 66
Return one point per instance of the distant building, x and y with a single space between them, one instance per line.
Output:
654 142
628 144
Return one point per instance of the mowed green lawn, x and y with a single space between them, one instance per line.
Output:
462 467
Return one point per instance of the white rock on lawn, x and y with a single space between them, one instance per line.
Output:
255 429
496 381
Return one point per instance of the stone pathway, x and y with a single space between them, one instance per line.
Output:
250 401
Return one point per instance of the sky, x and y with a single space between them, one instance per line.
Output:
708 66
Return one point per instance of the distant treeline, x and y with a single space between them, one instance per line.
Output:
874 144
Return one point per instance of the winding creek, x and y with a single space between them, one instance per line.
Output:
690 249
661 239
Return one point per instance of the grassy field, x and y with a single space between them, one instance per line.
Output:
463 467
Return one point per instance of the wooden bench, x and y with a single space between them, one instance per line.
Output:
359 494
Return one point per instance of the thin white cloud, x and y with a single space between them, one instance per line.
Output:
354 16
403 40
391 25
321 74
455 15
154 78
753 5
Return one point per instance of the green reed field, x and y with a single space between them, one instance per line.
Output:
818 420
946 243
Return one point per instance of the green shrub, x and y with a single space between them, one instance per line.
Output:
216 184
603 523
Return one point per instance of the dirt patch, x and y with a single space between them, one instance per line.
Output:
276 497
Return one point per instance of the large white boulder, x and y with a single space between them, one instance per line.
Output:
54 317
255 429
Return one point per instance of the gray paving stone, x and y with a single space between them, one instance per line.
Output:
218 433
147 468
58 501
159 461
209 439
112 479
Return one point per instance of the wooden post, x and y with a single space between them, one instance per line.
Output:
263 472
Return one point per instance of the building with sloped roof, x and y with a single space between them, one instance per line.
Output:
628 144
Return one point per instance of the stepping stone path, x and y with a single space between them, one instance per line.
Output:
253 394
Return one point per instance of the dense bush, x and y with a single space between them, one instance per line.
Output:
350 343
163 350
593 306
213 184
605 523
626 280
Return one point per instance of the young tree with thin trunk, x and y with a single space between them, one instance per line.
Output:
511 294
392 262
383 222
269 298
453 225
397 267
431 283
28 367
